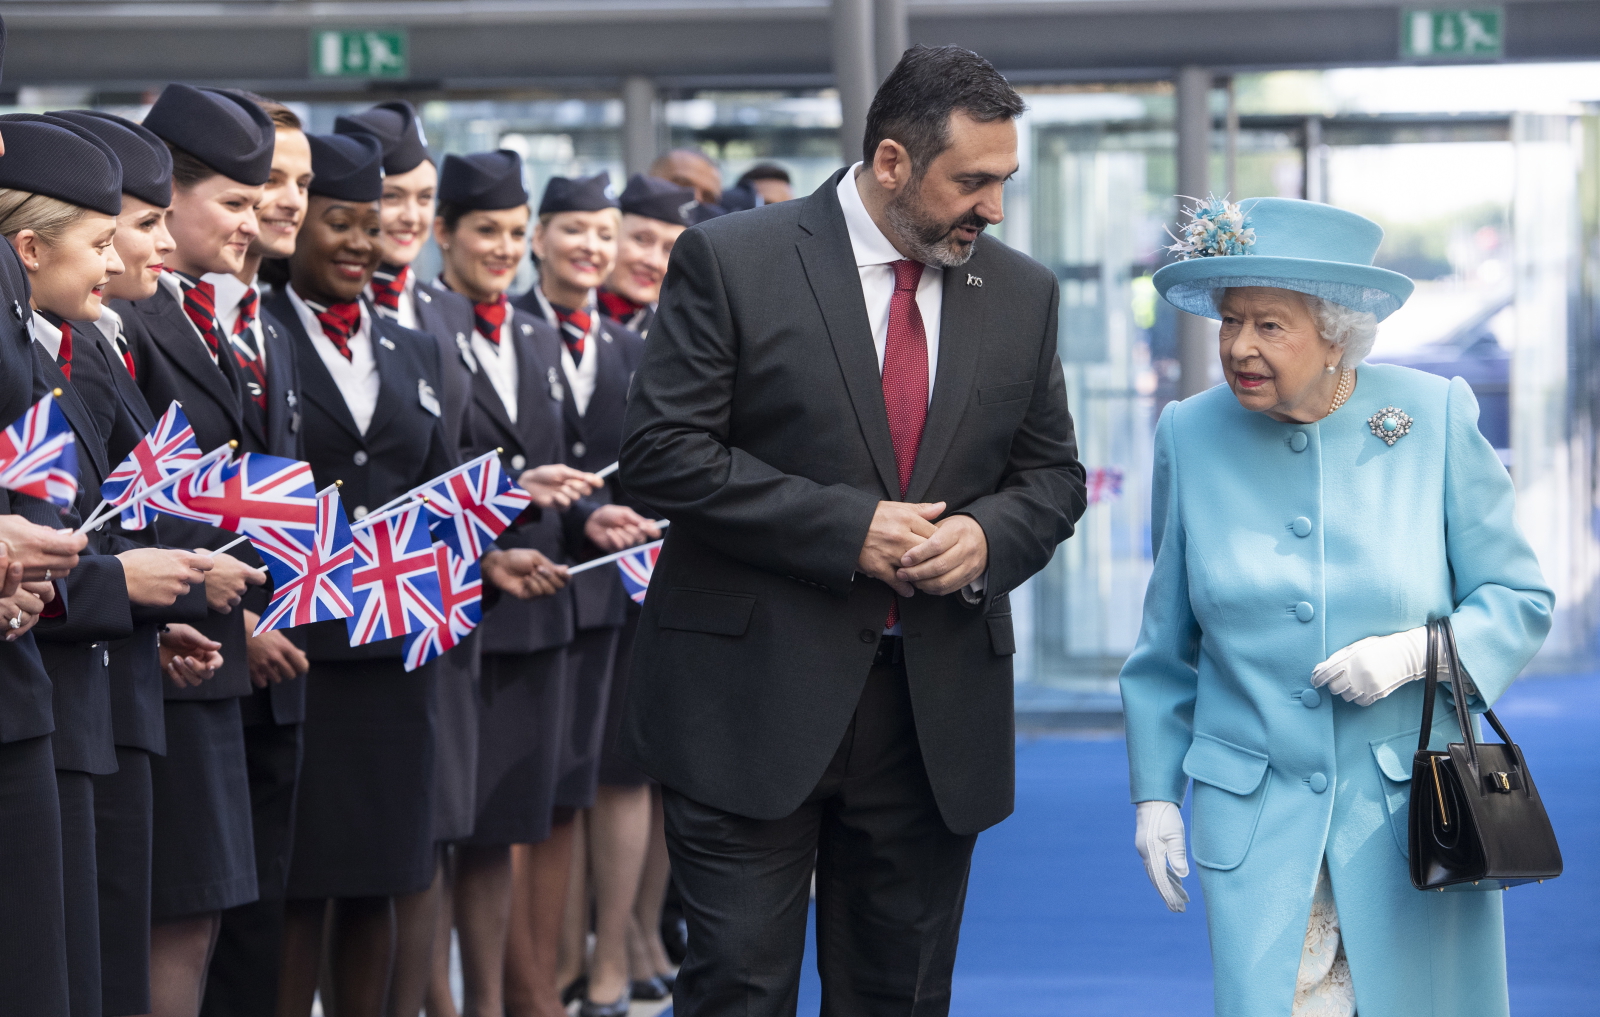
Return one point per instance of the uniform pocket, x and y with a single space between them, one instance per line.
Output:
1230 792
1005 393
721 614
1001 637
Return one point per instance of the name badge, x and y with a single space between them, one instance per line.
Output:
425 396
385 343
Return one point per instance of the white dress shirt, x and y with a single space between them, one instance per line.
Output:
110 327
357 377
874 253
47 335
499 363
580 374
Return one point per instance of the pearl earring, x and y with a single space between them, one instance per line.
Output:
1330 368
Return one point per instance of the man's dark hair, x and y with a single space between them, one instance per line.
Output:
914 103
765 171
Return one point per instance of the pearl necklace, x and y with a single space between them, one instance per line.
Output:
1347 379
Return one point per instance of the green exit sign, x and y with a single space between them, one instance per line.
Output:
1452 35
358 53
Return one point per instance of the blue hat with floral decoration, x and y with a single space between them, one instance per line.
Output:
1303 246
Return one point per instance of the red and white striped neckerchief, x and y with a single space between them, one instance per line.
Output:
388 285
577 327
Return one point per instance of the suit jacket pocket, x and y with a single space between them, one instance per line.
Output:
1230 792
721 614
1001 636
1005 393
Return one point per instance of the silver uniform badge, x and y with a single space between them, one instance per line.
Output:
557 392
466 352
425 396
974 280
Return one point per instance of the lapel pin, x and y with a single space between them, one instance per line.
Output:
974 280
16 309
385 342
422 296
527 329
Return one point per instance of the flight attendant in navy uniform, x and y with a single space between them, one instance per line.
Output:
574 244
63 235
363 831
410 187
242 978
655 213
204 854
123 806
33 979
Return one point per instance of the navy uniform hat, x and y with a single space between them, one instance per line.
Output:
397 128
146 163
586 194
61 160
346 167
655 198
222 129
482 181
703 212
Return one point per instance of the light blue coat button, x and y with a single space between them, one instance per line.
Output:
1304 611
1302 526
1298 441
1310 698
1319 782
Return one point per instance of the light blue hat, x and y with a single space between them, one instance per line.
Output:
1281 242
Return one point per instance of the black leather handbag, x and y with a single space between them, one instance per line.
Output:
1476 822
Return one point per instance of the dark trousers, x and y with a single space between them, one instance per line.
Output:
122 844
33 958
891 883
79 891
243 978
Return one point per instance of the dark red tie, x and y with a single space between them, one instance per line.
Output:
489 317
339 323
121 342
574 329
905 379
64 354
388 283
244 347
200 304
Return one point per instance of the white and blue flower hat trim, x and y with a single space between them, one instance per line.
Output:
1295 245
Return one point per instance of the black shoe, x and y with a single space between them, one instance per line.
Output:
651 989
589 1008
675 937
670 980
575 989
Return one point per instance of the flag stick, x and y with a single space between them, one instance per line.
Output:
608 471
372 517
608 559
101 512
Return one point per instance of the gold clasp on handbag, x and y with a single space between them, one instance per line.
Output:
1438 790
1501 780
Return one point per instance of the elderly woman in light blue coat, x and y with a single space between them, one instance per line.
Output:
1309 518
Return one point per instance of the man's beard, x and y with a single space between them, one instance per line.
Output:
926 239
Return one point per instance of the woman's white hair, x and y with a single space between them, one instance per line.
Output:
1351 330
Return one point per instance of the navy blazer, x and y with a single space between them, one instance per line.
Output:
171 362
511 625
447 317
25 694
404 445
74 644
137 684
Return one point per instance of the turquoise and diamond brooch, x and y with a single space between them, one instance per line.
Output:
1390 424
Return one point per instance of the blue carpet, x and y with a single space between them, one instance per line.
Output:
1061 920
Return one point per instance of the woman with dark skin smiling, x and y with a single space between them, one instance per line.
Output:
364 817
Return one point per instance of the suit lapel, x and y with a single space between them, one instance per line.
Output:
394 387
488 400
830 267
961 318
91 443
175 334
316 384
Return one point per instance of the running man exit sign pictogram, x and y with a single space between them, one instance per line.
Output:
1452 34
359 53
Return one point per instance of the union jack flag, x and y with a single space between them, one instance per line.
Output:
311 577
396 580
167 449
1104 483
474 505
461 597
255 495
637 566
39 456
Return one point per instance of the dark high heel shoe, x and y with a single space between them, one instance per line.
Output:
619 1008
575 989
650 989
670 980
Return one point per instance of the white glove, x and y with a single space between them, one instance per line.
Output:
1158 834
1371 668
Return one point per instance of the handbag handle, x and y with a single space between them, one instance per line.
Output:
1442 648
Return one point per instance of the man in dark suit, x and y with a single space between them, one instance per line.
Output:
852 411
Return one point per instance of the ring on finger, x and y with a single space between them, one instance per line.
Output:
47 575
16 622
